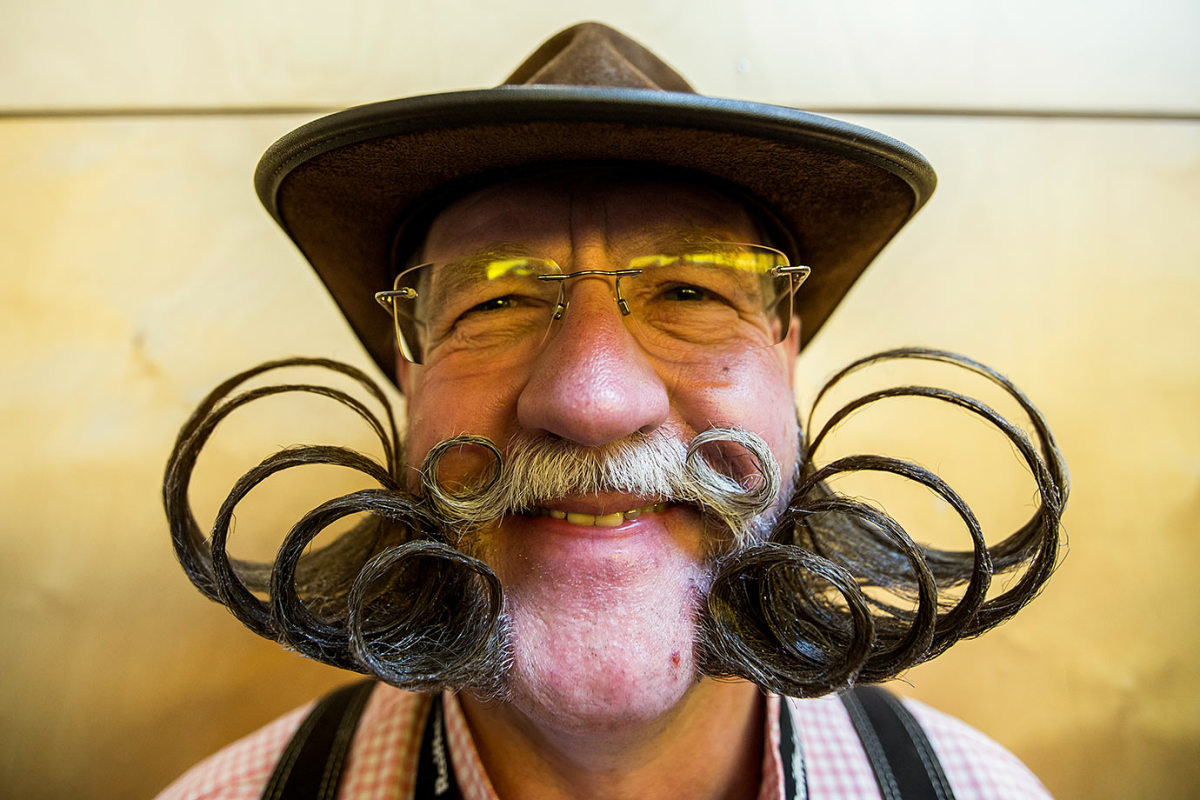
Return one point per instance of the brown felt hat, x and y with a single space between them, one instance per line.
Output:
351 188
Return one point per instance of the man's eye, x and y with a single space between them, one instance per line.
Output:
686 293
495 304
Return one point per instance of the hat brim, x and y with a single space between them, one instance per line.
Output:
344 185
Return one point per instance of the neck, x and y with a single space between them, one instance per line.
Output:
709 745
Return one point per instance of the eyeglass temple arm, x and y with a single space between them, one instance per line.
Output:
799 274
385 299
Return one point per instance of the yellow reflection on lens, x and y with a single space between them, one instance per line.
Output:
754 261
501 267
748 262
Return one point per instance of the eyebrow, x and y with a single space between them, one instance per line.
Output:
491 252
468 267
673 237
662 238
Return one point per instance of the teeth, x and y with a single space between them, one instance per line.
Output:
603 521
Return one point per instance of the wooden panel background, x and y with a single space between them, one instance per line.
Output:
139 271
1111 55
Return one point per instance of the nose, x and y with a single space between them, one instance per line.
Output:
592 383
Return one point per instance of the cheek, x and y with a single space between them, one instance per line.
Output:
441 404
753 393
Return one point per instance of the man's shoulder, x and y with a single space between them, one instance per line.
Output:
241 770
976 766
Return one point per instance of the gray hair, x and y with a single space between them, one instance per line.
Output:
539 469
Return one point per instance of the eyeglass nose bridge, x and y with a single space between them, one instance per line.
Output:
563 304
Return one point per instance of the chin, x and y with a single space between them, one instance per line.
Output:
603 631
605 675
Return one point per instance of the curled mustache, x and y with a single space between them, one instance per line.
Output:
787 608
540 469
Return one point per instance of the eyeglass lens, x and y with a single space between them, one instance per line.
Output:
679 306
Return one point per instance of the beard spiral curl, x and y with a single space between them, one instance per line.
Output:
771 623
388 597
395 596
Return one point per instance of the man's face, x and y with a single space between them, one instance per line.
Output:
603 618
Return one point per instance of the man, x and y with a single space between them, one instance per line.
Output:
605 502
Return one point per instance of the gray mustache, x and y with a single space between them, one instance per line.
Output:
537 470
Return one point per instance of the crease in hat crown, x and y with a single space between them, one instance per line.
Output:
592 54
344 186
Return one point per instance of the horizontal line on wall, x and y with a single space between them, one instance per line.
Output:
1032 113
163 111
255 111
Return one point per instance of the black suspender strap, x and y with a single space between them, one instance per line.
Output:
905 765
311 765
435 779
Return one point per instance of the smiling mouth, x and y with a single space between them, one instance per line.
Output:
598 521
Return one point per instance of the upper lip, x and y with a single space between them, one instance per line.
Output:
600 504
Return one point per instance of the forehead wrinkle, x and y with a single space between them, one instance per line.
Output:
698 215
470 223
696 221
587 224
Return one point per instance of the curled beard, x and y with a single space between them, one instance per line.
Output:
790 606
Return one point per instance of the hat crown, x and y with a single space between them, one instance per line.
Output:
591 54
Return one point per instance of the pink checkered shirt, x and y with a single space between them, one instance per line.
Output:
383 756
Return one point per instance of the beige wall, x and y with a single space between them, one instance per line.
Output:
138 271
